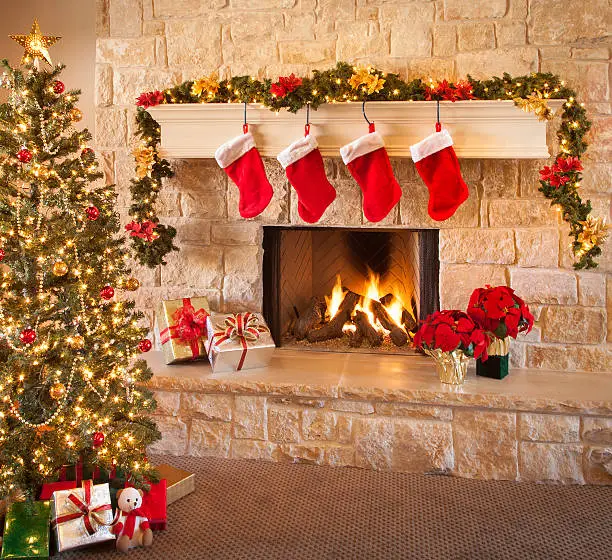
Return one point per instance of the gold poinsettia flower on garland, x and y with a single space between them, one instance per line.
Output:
145 158
372 83
594 232
208 85
535 103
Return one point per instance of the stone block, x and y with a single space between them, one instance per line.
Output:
598 465
444 40
207 406
190 231
344 427
609 307
249 417
482 65
249 449
476 36
356 40
500 178
111 127
126 52
168 403
537 247
245 5
549 428
203 187
422 446
591 289
298 27
283 424
360 407
406 410
373 439
174 436
153 28
545 286
237 234
466 9
312 454
194 42
129 83
597 179
335 10
518 354
589 79
529 177
568 358
418 18
434 68
194 267
551 462
580 21
242 294
318 425
102 18
168 204
458 281
494 246
510 33
576 325
317 53
245 262
591 53
340 456
125 18
485 444
209 439
190 8
522 213
104 85
597 430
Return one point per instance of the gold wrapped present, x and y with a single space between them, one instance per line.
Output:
182 328
238 341
179 483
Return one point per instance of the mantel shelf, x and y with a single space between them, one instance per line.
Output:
480 129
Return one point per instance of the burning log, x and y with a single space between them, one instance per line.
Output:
310 318
396 333
365 330
407 319
355 338
333 329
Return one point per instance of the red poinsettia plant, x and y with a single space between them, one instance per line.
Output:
446 91
150 99
450 330
145 230
499 311
285 85
564 170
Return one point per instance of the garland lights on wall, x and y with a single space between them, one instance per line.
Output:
559 182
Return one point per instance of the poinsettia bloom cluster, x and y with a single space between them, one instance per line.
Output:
285 85
146 230
450 330
500 311
445 91
560 172
150 99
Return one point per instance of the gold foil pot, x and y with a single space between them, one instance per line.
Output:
499 347
451 366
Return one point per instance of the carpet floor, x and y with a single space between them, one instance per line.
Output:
256 510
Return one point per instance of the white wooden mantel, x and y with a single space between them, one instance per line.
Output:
480 129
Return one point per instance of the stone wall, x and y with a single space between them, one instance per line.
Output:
505 233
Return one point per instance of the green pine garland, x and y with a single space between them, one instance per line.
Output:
333 86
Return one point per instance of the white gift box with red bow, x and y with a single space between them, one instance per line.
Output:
238 341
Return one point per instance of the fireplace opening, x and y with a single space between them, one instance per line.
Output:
342 289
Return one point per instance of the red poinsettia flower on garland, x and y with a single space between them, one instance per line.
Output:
451 330
561 172
285 85
500 311
144 230
150 99
445 91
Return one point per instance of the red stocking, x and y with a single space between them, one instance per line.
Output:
242 163
369 164
303 164
437 164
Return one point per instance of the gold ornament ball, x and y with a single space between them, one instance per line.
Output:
77 341
76 115
57 390
60 268
132 284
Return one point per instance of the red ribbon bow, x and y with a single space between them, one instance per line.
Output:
239 326
91 516
189 325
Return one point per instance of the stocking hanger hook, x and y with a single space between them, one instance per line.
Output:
438 123
370 124
307 125
245 126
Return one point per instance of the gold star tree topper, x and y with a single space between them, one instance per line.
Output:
36 45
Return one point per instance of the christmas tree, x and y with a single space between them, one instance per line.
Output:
70 380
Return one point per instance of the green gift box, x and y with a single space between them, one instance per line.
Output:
26 530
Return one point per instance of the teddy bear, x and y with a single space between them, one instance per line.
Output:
132 527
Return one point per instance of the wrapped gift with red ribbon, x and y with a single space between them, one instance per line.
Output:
182 328
238 341
82 516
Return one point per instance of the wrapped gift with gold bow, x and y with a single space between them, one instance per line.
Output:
238 341
82 516
182 329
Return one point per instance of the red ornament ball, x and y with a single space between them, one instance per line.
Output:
2 254
98 439
145 345
58 87
24 155
85 152
92 213
107 292
27 336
